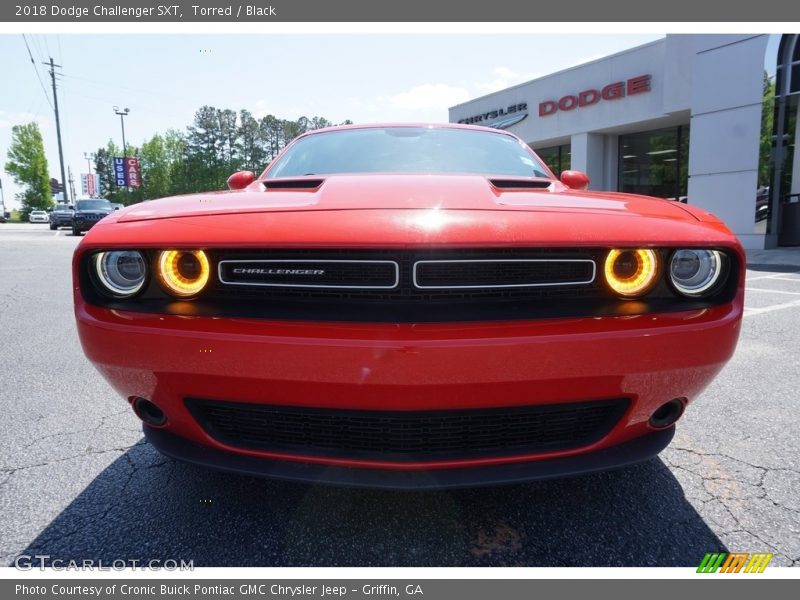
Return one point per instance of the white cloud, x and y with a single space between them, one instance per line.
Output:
260 111
503 78
428 96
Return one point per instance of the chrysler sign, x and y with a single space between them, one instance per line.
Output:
589 97
501 116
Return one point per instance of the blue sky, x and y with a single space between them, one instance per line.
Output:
163 79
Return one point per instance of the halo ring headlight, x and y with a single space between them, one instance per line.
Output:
183 273
695 271
121 273
632 272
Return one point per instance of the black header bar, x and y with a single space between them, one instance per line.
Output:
442 11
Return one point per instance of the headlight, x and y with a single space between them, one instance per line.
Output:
695 272
631 273
121 272
183 273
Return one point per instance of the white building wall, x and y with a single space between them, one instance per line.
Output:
596 155
665 62
714 82
727 79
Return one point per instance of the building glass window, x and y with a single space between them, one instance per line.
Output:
557 158
655 163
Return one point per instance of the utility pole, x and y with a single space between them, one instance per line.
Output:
71 183
58 127
88 158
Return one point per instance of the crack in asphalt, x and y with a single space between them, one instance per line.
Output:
121 449
103 422
763 472
52 435
98 515
727 503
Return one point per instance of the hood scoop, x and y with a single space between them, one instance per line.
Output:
292 184
520 184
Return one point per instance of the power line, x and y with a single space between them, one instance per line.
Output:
37 46
33 62
107 85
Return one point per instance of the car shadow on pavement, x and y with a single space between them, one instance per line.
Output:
146 507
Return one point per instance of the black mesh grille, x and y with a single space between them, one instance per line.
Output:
499 273
407 436
406 295
309 273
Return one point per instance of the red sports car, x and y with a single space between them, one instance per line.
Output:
409 306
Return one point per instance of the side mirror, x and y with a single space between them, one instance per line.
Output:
240 180
576 180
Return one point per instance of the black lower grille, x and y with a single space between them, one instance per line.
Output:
502 273
407 436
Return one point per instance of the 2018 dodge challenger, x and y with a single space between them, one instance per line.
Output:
409 306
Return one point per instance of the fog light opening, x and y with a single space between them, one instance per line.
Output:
667 414
149 412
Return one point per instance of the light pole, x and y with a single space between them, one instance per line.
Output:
122 114
88 156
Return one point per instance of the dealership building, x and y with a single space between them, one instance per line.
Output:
704 119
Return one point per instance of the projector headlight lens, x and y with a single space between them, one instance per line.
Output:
695 272
122 273
631 273
183 273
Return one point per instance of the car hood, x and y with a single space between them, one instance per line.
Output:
404 192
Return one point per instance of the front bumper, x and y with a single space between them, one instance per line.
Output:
649 359
614 457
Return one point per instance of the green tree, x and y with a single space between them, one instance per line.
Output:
217 143
155 168
252 146
27 164
104 167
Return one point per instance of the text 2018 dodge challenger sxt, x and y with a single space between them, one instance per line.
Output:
409 306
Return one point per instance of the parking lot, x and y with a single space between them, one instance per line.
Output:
78 481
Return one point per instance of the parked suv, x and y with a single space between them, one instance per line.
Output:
88 212
61 215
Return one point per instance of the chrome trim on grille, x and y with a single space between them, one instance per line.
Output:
510 285
310 285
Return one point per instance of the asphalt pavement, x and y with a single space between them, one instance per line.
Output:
77 480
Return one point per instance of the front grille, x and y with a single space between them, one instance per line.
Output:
379 286
502 273
407 436
289 273
91 217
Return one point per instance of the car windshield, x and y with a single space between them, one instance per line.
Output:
94 205
408 150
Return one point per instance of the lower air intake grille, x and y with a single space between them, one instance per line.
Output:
407 436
